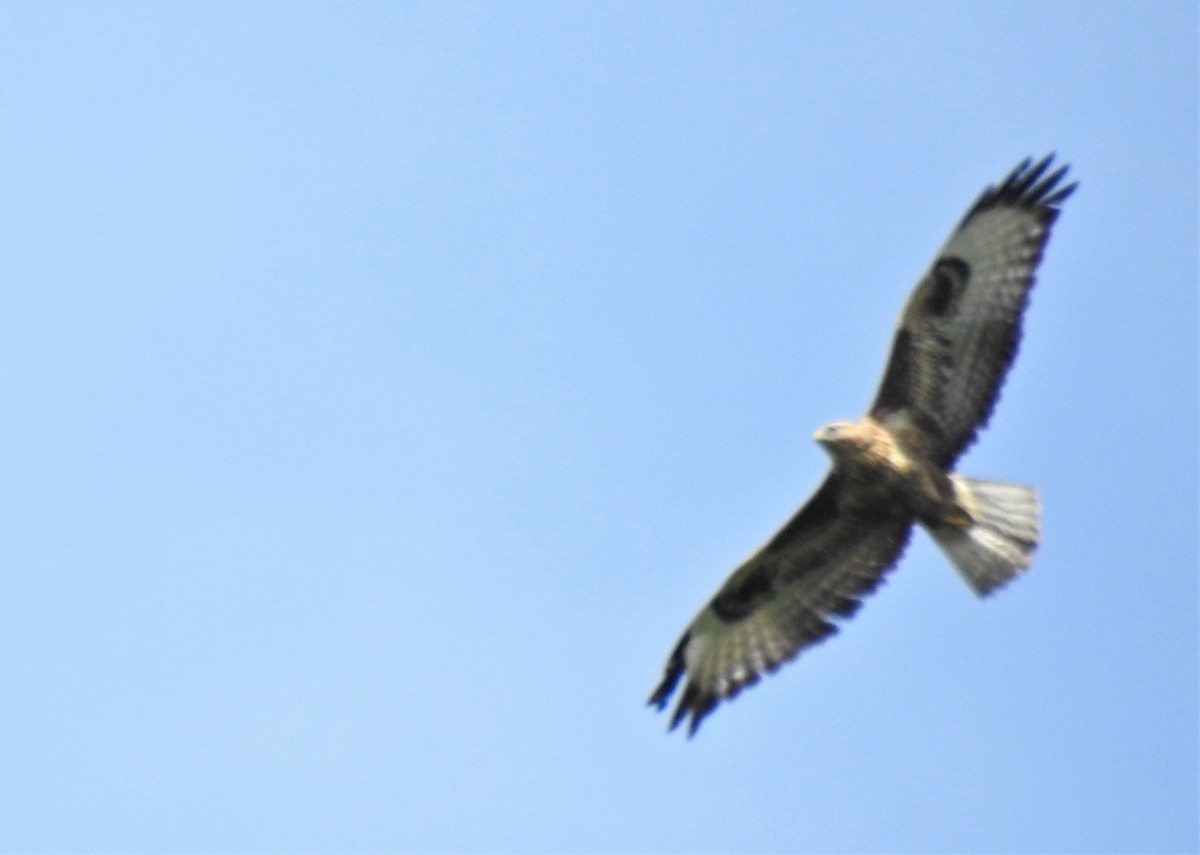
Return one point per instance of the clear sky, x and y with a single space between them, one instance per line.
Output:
387 385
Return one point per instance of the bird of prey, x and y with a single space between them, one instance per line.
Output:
953 344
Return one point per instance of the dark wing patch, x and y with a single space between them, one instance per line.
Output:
959 331
737 601
783 599
949 279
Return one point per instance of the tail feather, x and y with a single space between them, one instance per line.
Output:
999 540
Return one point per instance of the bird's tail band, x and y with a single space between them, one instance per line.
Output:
999 539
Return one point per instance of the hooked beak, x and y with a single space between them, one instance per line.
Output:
825 434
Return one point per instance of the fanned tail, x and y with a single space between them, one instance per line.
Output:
999 540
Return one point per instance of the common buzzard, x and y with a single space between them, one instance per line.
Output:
954 342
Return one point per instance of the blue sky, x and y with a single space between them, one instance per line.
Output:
387 385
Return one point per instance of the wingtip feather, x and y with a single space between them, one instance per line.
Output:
1027 185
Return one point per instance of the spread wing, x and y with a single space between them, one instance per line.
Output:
959 332
781 600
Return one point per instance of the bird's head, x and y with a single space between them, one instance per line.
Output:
842 441
835 433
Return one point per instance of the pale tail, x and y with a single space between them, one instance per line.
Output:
1000 540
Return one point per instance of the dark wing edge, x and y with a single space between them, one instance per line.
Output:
1022 188
780 601
952 350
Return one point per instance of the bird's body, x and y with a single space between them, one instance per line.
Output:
882 475
893 469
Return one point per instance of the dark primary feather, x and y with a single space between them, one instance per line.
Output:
959 331
1021 188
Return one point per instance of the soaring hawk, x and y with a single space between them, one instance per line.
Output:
954 342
